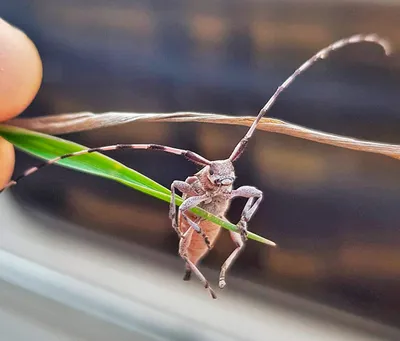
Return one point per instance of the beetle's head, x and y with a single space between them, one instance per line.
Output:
221 173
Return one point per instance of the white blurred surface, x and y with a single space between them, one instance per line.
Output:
127 290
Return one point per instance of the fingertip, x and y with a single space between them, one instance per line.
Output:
21 71
7 160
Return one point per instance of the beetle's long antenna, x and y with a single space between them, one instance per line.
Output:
373 38
191 156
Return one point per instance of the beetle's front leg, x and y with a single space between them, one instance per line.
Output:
185 188
255 196
191 203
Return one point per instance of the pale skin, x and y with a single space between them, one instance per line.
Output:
20 78
212 187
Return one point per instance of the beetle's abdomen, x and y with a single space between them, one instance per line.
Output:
197 247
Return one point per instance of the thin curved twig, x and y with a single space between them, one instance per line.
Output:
83 121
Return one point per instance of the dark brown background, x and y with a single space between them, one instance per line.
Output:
333 212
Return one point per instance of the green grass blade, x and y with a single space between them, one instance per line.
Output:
47 147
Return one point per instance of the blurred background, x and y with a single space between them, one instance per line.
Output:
333 212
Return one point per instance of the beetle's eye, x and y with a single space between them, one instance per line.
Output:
211 172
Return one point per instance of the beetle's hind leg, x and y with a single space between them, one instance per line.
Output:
190 266
237 239
188 273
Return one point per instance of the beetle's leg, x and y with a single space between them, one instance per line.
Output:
232 257
255 196
188 204
183 252
188 273
185 188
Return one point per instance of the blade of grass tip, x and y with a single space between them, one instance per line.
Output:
47 147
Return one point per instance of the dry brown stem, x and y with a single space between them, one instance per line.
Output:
76 122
